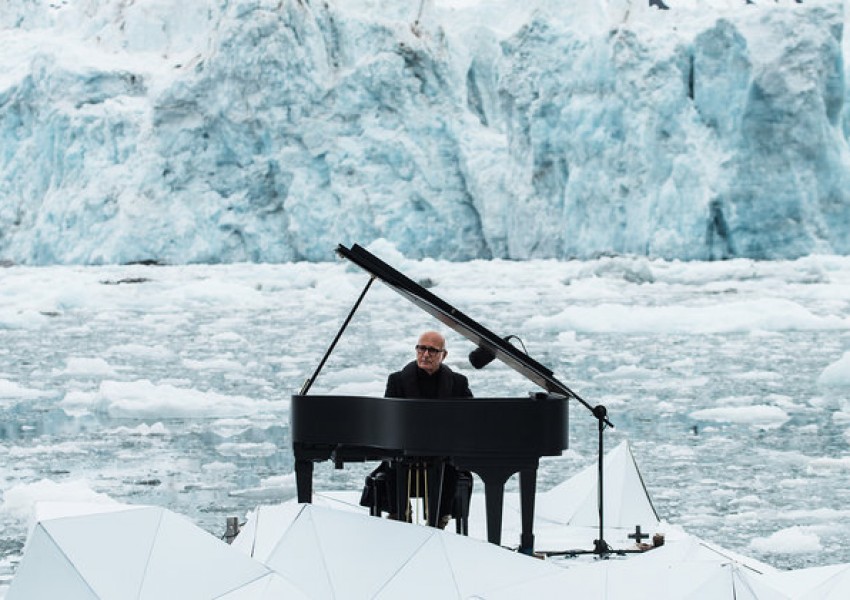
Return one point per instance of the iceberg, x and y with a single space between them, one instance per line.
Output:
265 131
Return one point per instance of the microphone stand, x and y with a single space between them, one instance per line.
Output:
483 355
600 546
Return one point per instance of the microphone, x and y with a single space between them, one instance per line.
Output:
481 357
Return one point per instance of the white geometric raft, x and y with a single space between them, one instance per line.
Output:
104 551
336 554
332 550
566 516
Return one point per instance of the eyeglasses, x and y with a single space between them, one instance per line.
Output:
429 349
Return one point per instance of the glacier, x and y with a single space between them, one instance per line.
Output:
222 131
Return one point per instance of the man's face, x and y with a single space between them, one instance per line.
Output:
426 359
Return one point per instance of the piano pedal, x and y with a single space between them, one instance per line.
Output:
395 517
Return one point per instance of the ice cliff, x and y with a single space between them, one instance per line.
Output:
271 130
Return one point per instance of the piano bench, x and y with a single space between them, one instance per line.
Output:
373 491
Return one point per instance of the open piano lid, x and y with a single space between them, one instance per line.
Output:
455 319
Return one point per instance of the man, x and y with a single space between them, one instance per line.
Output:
426 377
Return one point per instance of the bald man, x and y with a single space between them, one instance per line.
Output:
426 377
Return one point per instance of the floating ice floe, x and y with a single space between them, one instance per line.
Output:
761 416
837 374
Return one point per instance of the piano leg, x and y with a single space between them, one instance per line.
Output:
304 480
527 489
494 491
494 478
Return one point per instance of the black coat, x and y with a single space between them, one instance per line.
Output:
409 383
413 382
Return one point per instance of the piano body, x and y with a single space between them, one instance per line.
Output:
492 437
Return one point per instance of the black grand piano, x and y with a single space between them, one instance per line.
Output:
492 437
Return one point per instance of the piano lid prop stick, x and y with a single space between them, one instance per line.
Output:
309 383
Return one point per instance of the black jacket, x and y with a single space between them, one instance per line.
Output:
408 383
413 382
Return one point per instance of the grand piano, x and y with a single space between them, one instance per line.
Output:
492 437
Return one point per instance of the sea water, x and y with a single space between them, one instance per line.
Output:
171 385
